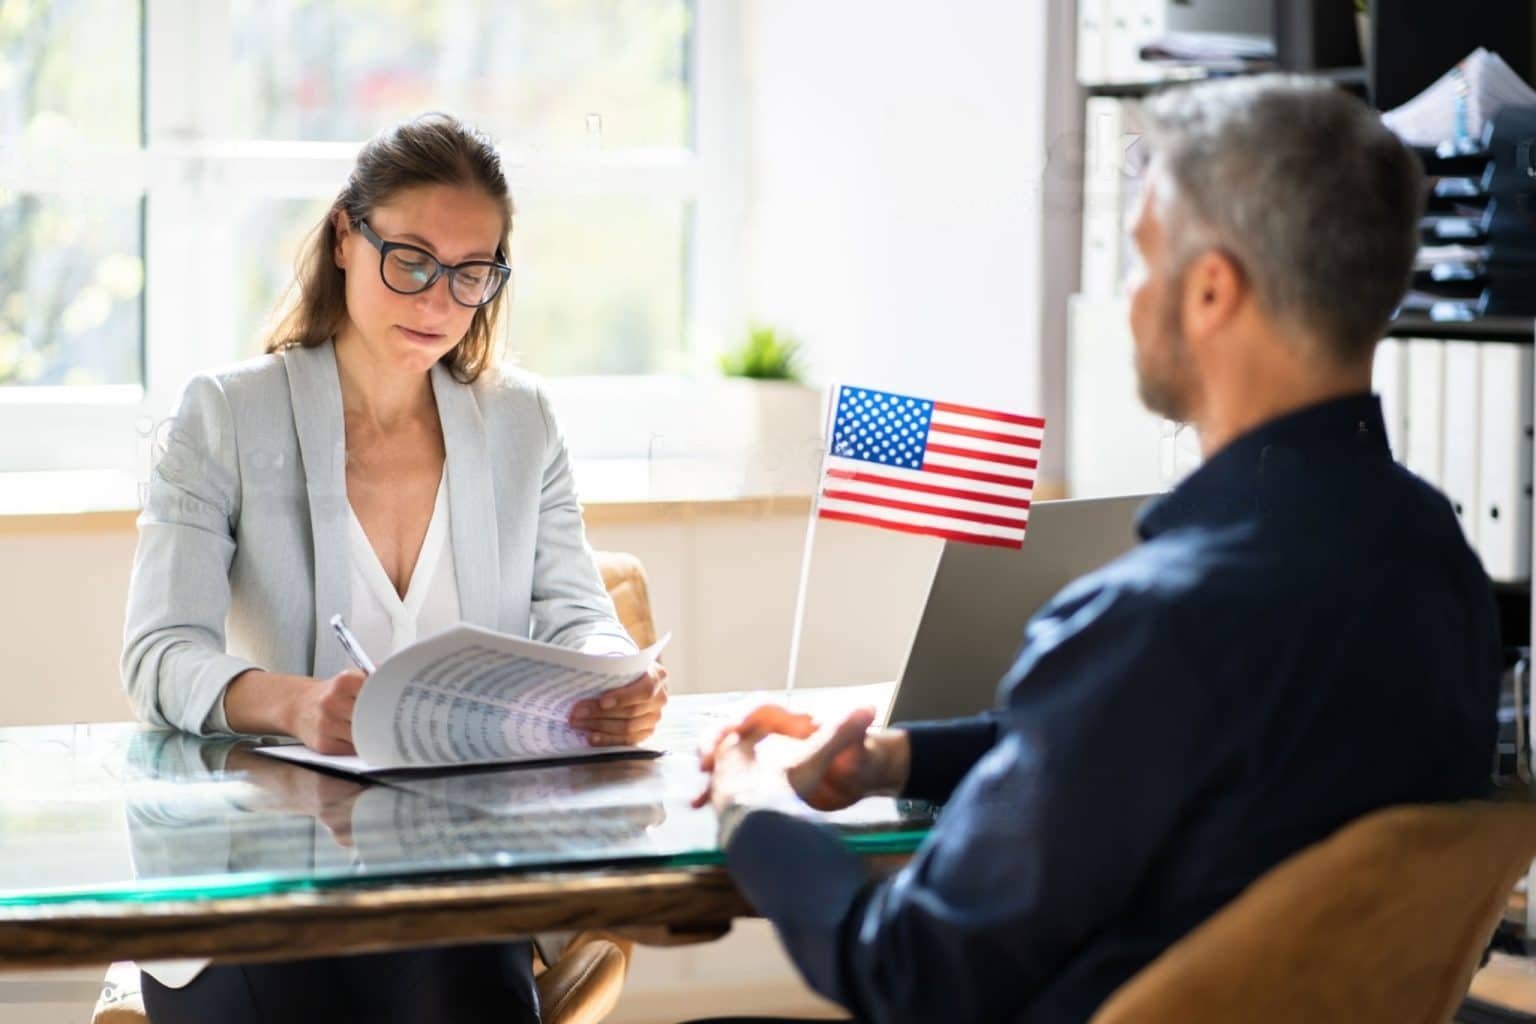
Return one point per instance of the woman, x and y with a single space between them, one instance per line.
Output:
374 463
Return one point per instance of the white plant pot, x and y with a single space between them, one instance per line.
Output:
785 423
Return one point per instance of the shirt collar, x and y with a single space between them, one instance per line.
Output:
1228 485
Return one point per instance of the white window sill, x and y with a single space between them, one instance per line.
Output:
610 489
67 492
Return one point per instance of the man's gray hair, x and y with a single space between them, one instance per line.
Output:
1316 199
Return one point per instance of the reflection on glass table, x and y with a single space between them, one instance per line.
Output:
209 817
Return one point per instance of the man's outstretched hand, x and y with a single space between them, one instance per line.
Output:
836 768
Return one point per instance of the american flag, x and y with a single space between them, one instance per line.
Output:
912 464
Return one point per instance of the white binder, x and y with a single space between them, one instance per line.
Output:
1118 17
1462 464
1504 534
1130 24
1424 434
1151 21
1091 16
1103 189
1389 379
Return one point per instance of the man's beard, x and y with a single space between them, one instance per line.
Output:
1163 383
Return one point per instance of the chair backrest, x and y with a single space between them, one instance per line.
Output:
1385 920
624 578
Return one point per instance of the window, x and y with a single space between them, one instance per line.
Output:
162 162
71 267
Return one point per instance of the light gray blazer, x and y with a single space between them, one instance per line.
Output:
244 530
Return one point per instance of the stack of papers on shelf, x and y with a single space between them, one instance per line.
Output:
1461 102
1216 51
1440 255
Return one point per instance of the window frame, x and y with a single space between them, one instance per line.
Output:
184 165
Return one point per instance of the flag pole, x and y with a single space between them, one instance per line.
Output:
798 624
805 576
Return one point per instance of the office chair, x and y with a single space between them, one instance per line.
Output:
1385 920
582 986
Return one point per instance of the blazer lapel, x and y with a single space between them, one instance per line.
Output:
471 501
315 390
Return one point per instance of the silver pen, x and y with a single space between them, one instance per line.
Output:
350 645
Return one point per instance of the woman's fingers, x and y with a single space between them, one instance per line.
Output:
645 690
334 745
644 694
611 732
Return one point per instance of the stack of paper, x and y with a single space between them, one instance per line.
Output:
1216 51
470 696
1463 100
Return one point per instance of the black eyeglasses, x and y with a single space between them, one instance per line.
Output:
409 270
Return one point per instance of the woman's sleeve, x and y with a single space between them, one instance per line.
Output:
570 606
174 665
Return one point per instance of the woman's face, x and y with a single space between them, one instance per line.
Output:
411 332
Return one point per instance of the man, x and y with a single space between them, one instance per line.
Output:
1302 637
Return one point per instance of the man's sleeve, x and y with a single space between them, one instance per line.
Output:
1102 747
943 751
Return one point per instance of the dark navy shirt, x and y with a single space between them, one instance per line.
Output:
1302 637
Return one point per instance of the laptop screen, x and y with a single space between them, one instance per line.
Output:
982 597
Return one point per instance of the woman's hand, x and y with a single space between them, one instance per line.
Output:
317 712
626 714
320 715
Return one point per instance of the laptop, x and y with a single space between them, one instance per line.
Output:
973 624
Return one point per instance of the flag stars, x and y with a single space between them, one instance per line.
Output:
873 426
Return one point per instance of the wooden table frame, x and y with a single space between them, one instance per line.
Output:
371 917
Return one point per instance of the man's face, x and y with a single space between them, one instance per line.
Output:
1164 374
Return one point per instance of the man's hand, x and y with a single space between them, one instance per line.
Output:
838 768
626 714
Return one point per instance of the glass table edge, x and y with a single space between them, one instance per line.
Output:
210 887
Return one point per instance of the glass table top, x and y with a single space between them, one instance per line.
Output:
122 812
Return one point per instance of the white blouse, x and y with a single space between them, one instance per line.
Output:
380 618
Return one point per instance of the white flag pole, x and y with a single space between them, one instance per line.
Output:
798 624
805 576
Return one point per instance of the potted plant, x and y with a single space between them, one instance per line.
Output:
783 414
765 354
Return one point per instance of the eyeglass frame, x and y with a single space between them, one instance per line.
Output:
503 270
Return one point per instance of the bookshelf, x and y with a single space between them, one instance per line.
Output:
1104 411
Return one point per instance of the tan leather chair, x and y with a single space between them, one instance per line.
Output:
583 985
1386 920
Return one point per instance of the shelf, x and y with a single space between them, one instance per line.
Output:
1517 329
1355 78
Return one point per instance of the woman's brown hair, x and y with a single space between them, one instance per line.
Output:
433 149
